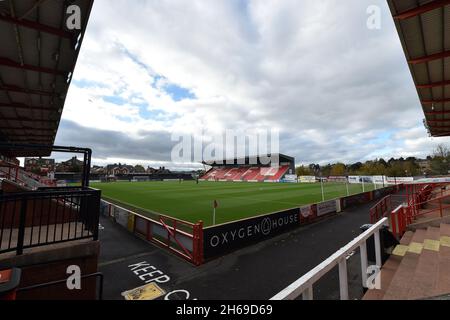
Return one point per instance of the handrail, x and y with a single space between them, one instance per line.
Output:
35 219
58 282
304 285
194 233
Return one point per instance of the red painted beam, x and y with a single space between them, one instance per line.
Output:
432 57
12 88
25 107
28 137
13 64
441 134
432 113
27 120
26 128
438 121
433 85
435 101
37 26
439 127
421 9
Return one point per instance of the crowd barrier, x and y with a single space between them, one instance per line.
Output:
180 237
197 244
225 238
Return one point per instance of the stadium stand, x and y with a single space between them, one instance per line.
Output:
37 60
244 170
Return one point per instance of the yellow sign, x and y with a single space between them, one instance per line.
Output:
431 245
415 247
400 250
150 291
445 241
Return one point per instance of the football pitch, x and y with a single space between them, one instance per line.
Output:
191 202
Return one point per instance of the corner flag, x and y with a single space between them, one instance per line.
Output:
216 205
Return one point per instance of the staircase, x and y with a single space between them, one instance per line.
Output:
419 267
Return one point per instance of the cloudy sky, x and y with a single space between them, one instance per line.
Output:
336 90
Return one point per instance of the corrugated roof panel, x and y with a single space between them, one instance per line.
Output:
431 25
447 28
413 36
433 31
421 73
51 56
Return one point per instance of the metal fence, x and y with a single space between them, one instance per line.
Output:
52 216
181 237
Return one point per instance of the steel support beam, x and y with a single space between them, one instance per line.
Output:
421 9
3 128
27 120
432 57
433 113
26 107
37 26
433 85
435 101
438 121
13 64
12 88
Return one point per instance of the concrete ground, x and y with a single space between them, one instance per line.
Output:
254 273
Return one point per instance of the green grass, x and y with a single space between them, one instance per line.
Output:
191 202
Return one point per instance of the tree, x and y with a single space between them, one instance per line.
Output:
303 171
355 167
441 160
338 169
139 169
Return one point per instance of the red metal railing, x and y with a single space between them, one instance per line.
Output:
180 237
417 196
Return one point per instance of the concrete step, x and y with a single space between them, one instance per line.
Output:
425 277
401 282
388 271
443 280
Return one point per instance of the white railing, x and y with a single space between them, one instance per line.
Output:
304 285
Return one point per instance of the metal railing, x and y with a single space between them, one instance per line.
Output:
98 275
385 206
40 218
416 198
180 237
304 285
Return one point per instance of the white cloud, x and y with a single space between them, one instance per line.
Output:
336 90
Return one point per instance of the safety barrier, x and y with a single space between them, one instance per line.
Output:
41 218
227 237
400 216
180 237
304 285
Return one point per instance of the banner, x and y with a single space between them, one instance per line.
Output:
379 180
324 208
353 179
360 179
306 211
224 238
307 179
290 178
337 179
399 180
434 180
